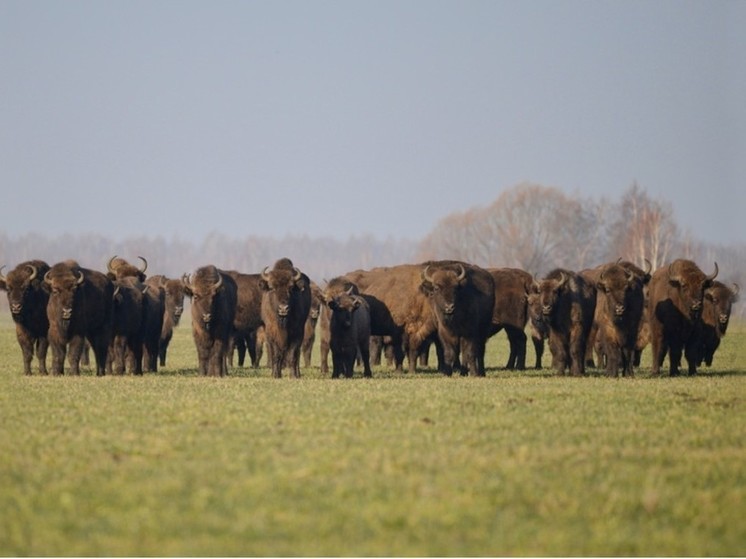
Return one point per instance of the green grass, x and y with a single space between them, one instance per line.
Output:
514 464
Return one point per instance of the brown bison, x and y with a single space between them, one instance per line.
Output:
173 309
214 295
127 332
286 303
28 306
80 308
349 333
620 302
538 325
567 303
462 298
511 312
309 332
399 309
248 316
154 307
677 293
717 304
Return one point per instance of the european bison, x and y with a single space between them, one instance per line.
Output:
286 303
309 332
248 316
462 299
127 332
620 304
173 309
567 302
214 295
80 307
28 306
675 313
511 311
718 301
349 333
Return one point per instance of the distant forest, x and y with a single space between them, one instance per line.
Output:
532 227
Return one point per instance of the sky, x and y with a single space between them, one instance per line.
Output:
350 118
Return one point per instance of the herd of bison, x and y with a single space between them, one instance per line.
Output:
605 315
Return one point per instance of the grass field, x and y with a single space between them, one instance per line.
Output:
513 464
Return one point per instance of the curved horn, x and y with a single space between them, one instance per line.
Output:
116 292
462 274
186 280
629 275
80 279
108 264
736 289
714 274
144 264
649 267
265 273
219 283
296 274
2 277
563 280
47 278
350 290
425 275
34 272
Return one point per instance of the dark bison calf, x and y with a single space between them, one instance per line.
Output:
349 333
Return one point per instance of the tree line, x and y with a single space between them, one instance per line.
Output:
532 227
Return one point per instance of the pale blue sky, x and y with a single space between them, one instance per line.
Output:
351 117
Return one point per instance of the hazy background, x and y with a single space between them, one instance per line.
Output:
350 118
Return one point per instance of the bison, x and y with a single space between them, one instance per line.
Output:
462 299
286 303
118 268
717 304
349 333
214 298
511 312
677 294
620 302
248 315
309 332
80 308
28 306
127 332
173 309
567 303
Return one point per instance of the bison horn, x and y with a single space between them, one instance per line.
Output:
425 275
649 266
714 274
296 274
144 264
265 273
116 292
736 289
350 290
462 274
219 282
34 272
186 280
108 264
563 280
2 277
47 278
81 278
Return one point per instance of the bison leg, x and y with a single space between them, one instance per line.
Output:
365 358
27 348
538 350
42 344
324 354
517 339
674 359
163 348
74 353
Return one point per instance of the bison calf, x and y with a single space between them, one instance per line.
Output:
349 333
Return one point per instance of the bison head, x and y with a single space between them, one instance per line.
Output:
442 286
63 282
718 302
203 288
174 298
118 268
19 283
343 306
622 289
279 285
548 291
690 282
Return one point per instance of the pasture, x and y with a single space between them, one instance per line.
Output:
518 463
